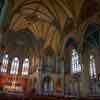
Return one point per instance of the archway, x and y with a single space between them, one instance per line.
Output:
47 85
91 37
2 2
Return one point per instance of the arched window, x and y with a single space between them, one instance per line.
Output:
15 66
25 68
92 67
76 67
5 63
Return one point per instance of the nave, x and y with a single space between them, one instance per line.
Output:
50 49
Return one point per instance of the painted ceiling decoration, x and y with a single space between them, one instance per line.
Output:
48 20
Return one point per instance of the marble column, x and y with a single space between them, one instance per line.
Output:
85 88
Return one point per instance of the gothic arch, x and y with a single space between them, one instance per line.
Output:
2 3
71 36
91 36
83 27
47 84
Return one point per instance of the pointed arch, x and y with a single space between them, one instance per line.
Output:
14 66
92 67
2 2
5 62
25 67
91 37
48 85
76 67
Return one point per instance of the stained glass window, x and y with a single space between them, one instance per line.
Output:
5 63
15 66
76 67
92 67
25 68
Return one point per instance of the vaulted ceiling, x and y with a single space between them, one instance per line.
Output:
50 20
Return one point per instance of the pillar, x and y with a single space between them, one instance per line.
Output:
40 74
97 62
62 75
85 89
4 14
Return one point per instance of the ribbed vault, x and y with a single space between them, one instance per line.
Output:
51 20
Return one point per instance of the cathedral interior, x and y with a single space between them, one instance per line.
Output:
50 48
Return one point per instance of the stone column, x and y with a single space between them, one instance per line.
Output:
29 83
4 14
97 61
62 75
85 88
40 74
